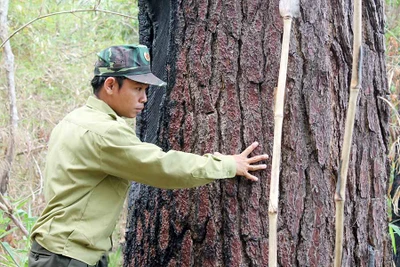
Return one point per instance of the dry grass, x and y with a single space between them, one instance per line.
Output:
393 74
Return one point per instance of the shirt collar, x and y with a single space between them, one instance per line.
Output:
102 106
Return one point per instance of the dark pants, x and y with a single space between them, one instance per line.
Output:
41 257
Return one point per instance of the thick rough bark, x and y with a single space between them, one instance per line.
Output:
221 61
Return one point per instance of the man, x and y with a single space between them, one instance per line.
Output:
93 155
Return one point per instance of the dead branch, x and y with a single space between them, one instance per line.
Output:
9 211
95 9
32 150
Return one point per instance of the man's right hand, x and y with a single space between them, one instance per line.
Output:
244 164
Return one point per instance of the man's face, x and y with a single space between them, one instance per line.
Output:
128 100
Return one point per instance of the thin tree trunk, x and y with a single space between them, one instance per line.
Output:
8 58
221 61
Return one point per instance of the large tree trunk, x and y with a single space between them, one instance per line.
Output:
221 61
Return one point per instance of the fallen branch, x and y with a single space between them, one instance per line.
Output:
64 12
27 151
39 171
9 211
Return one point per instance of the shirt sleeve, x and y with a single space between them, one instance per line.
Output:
124 155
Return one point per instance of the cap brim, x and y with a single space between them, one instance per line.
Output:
148 78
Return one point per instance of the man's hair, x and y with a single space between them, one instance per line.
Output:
98 82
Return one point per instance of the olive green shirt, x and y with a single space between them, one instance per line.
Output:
92 157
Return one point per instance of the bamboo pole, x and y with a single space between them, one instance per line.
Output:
288 9
355 85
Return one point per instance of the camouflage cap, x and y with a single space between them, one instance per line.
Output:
130 61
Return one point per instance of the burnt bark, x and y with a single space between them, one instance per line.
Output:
221 62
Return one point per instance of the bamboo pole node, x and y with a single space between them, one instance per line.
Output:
274 211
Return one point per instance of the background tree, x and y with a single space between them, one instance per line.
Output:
221 61
9 69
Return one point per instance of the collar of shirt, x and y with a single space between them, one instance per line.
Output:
102 106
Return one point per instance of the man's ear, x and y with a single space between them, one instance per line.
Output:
110 85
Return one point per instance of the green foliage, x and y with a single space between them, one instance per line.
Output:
15 247
393 2
393 229
115 258
392 30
